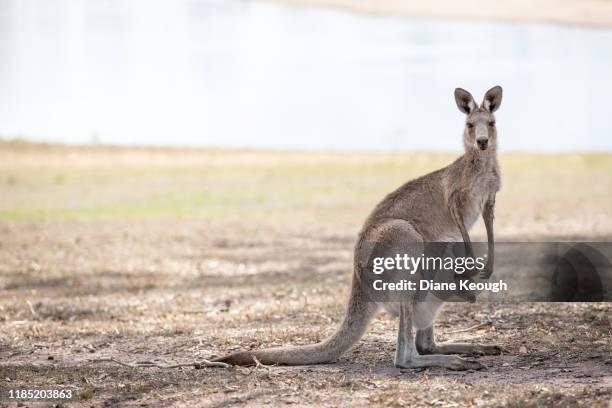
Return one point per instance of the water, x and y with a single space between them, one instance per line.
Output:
250 74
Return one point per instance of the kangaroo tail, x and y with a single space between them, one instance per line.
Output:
358 315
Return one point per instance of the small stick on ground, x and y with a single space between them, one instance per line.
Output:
32 310
475 327
146 364
258 364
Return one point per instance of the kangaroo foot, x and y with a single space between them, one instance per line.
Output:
436 360
465 348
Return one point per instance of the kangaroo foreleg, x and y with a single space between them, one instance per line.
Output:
488 216
455 207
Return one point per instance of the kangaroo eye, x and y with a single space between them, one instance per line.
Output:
492 123
469 125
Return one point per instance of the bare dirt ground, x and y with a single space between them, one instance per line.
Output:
174 256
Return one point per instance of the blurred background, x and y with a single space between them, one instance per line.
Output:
275 75
180 179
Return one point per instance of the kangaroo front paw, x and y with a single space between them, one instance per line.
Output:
486 272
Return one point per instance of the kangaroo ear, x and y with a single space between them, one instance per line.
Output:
492 99
465 101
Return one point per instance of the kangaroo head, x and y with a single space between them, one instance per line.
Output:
480 133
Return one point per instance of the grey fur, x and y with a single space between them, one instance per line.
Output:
437 207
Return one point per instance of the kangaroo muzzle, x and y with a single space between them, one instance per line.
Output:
482 136
482 143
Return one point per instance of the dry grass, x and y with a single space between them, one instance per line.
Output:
177 255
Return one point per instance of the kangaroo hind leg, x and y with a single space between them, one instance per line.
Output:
407 355
426 344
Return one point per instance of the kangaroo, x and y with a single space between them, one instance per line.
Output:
440 206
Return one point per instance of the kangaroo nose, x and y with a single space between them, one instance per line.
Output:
482 143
